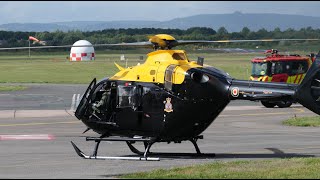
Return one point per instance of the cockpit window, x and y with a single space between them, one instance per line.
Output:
168 77
126 96
179 56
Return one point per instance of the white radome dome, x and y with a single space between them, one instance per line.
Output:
82 53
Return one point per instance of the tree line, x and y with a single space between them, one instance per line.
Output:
18 39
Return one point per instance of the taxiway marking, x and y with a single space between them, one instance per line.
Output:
32 124
75 101
27 137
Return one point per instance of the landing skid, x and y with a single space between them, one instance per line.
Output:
143 156
98 140
81 154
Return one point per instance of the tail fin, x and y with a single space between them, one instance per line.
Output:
308 92
119 67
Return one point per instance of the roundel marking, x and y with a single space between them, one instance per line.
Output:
235 92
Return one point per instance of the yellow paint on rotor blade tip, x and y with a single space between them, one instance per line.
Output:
223 41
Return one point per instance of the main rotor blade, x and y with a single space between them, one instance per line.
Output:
135 44
145 44
161 43
184 42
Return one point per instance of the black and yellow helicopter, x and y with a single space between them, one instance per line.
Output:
170 98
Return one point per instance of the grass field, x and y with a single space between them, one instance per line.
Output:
54 67
291 168
58 69
12 88
303 121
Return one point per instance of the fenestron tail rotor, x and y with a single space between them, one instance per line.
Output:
159 41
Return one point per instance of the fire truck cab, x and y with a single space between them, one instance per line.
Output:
275 67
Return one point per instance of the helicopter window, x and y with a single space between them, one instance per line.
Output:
168 77
259 69
146 90
126 96
178 56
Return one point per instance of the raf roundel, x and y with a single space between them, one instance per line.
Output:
235 92
82 53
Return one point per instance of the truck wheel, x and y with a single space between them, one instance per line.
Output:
268 104
284 104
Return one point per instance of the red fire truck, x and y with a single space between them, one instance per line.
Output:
276 67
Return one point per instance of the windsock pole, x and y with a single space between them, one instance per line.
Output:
29 48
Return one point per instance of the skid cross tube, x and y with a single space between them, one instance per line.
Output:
131 140
117 139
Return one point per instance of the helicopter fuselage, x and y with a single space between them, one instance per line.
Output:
152 110
167 99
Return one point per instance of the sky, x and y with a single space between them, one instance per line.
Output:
64 11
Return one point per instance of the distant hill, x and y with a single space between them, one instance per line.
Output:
236 21
232 22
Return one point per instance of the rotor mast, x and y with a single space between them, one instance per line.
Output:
162 42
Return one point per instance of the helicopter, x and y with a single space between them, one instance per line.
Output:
170 98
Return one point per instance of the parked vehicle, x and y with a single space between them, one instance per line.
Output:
276 67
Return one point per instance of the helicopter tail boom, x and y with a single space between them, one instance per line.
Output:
255 90
307 93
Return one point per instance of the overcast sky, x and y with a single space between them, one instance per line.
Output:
61 11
